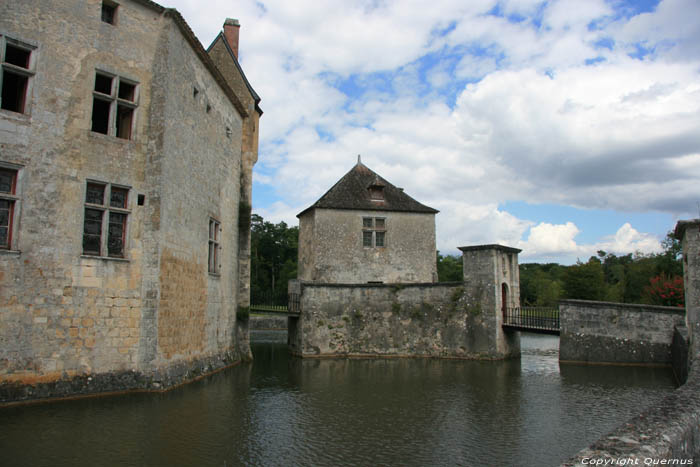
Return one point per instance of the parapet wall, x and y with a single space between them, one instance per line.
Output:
416 320
603 332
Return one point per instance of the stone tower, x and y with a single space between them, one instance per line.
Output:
491 273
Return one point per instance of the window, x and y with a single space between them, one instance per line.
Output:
8 189
17 71
106 210
109 12
114 101
214 246
373 232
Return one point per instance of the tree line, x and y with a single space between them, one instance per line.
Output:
655 279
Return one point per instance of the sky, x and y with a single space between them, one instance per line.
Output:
559 127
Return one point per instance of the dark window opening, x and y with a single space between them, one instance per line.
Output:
8 180
379 238
100 116
214 246
14 90
109 12
141 200
124 118
105 212
373 232
92 232
367 239
127 91
116 234
376 192
6 211
195 92
17 56
103 84
95 194
118 197
114 101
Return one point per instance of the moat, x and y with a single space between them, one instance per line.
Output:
287 411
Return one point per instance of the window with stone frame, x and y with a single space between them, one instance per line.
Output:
8 201
373 232
114 103
214 246
105 223
17 61
109 12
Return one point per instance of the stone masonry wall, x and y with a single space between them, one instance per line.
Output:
428 320
339 257
155 317
601 332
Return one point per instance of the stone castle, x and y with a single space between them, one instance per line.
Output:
126 156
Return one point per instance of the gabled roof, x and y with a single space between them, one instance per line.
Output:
199 51
256 98
352 192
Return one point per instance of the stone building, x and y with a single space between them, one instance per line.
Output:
367 281
366 230
126 155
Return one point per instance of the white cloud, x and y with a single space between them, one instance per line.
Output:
548 241
538 126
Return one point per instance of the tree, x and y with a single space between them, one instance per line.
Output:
585 281
273 250
449 268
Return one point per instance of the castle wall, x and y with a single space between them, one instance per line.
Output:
155 315
409 320
603 332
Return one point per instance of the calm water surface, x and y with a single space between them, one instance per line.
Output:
286 411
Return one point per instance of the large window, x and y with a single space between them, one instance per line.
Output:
114 102
106 213
17 72
214 246
8 199
373 232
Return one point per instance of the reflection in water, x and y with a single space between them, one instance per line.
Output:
287 411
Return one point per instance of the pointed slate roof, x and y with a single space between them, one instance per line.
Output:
352 192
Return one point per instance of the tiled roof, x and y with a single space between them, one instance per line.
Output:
352 192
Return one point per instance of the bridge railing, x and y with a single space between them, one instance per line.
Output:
274 303
529 317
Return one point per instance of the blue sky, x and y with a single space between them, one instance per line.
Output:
560 127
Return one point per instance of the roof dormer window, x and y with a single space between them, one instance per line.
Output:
376 192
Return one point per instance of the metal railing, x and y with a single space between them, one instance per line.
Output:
278 303
539 319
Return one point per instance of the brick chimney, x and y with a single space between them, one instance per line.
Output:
231 30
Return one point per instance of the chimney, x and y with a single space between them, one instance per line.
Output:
231 29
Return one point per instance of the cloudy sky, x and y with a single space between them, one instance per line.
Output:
561 127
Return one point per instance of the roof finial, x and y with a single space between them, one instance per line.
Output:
359 160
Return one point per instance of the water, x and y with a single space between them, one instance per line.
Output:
286 411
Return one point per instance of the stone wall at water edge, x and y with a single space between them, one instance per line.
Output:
620 333
399 320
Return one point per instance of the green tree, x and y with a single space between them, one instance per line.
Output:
273 250
585 281
449 268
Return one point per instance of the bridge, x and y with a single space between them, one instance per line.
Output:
282 305
540 320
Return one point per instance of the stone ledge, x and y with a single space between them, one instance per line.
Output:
668 430
628 306
109 383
